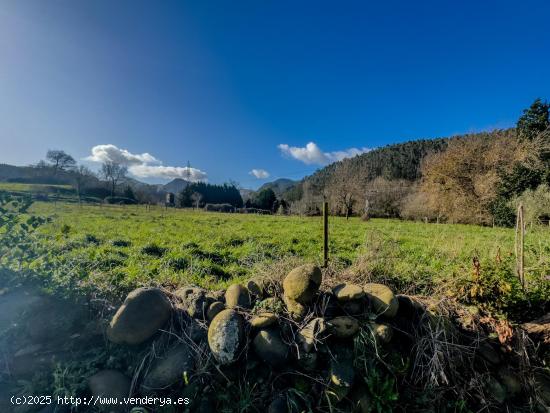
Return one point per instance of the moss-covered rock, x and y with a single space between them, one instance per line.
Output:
302 283
382 300
237 295
214 309
348 292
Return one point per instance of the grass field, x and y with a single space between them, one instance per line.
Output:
116 247
33 188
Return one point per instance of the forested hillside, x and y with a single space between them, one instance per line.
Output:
474 178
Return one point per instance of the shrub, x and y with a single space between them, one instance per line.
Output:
503 214
536 204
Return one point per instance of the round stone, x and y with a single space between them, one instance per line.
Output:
382 300
142 314
214 309
225 336
302 283
348 292
237 295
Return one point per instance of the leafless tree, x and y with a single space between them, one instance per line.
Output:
196 197
113 172
343 190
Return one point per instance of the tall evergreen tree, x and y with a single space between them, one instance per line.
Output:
534 120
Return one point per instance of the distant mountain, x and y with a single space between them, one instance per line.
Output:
246 193
175 186
279 186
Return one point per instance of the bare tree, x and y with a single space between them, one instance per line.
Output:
113 172
196 197
60 160
82 177
343 189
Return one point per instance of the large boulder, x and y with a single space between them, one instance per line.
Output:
142 314
269 346
168 369
382 299
225 336
237 295
347 292
110 384
302 283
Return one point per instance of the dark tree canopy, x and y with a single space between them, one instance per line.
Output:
265 199
60 160
210 194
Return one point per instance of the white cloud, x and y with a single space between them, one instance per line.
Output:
106 153
311 154
259 173
143 165
168 172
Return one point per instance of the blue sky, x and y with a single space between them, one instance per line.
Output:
238 86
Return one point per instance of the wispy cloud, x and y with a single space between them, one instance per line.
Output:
259 173
311 154
143 165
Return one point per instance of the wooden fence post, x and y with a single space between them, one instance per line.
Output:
325 234
519 245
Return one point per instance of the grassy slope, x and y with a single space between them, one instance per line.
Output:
213 249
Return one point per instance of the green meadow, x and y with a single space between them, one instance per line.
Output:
115 248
